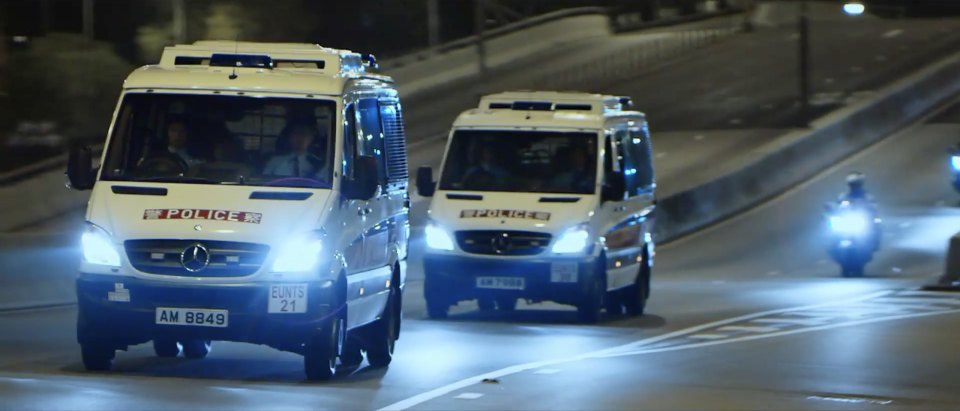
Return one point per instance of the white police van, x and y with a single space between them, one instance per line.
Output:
542 196
247 192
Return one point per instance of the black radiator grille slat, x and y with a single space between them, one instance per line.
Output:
227 258
493 242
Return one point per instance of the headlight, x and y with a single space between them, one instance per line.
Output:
437 238
299 254
955 163
98 248
851 223
574 240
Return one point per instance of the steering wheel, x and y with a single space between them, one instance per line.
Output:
162 164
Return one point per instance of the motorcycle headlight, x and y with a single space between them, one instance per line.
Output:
574 240
850 223
301 253
955 163
437 238
98 247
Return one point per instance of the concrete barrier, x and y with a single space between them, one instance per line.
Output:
800 155
39 198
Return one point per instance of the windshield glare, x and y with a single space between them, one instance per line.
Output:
216 139
521 161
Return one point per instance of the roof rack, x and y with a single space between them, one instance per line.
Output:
555 101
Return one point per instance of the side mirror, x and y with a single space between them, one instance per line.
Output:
615 188
80 172
364 184
425 184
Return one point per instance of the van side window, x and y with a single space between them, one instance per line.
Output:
349 141
394 140
371 141
643 154
607 156
628 161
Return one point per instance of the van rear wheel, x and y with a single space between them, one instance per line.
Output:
196 349
506 303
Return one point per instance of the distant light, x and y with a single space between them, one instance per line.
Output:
854 8
20 39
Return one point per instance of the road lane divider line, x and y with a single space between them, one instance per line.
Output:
748 329
469 381
709 336
792 321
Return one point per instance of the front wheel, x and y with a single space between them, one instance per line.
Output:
97 357
588 311
383 333
166 348
635 296
320 356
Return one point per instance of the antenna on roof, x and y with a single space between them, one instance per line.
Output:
236 49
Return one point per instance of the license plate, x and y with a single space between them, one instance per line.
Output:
287 299
197 317
501 283
563 272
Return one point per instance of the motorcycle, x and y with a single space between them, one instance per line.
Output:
854 236
955 166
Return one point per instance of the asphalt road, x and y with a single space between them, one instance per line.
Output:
747 314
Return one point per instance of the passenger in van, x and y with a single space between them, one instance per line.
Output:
298 161
178 139
576 175
485 173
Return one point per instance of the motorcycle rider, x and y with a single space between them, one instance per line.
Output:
857 196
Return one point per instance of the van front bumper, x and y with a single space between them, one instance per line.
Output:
124 323
454 278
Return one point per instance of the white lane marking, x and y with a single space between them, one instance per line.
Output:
546 371
782 333
748 329
892 33
914 300
708 336
468 396
850 400
735 121
931 293
791 321
661 155
698 137
428 140
466 382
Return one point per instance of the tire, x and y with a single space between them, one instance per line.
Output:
635 296
97 357
437 310
320 355
196 349
506 303
383 333
588 311
165 348
486 304
613 302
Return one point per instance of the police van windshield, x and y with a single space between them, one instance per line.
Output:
216 139
521 161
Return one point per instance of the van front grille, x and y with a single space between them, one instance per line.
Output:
226 258
492 242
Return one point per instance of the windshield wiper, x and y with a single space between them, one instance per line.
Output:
173 179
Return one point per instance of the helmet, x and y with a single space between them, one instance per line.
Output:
856 179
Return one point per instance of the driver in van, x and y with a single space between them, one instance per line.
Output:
298 161
178 136
576 175
485 168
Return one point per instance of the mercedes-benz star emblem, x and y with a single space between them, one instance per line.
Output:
198 227
501 243
195 258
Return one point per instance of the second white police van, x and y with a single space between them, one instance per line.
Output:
248 192
542 196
